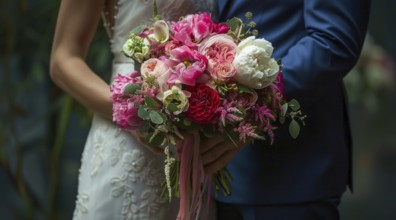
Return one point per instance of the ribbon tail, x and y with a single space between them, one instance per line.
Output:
191 177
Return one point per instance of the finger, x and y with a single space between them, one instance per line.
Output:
209 143
221 162
215 152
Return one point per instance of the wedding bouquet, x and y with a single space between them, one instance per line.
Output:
198 79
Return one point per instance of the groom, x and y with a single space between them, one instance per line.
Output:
319 41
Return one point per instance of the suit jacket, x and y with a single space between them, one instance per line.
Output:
319 41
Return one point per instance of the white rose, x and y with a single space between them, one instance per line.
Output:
253 63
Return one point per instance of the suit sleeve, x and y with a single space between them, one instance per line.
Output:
335 34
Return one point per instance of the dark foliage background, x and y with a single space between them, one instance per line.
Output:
42 130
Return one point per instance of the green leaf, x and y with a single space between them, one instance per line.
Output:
284 109
187 124
131 88
294 129
234 23
294 105
172 107
155 139
156 117
244 89
231 135
143 112
145 127
282 119
210 131
151 103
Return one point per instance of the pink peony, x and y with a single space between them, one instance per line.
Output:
195 27
125 112
120 81
220 28
220 50
188 65
170 45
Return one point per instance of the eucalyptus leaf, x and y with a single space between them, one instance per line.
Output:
294 105
131 88
155 117
163 116
285 107
143 113
294 129
151 103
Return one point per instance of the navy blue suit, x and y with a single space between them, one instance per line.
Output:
319 41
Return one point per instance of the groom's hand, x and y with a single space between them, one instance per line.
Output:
216 153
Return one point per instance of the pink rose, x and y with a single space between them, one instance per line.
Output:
245 100
153 68
188 65
220 50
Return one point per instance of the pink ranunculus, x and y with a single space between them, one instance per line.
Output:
188 66
125 112
194 28
120 81
153 68
220 50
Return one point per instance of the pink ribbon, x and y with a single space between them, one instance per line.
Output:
191 177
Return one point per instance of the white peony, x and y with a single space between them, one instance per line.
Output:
253 63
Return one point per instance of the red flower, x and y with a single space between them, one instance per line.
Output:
204 101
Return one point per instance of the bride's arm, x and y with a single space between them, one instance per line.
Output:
75 28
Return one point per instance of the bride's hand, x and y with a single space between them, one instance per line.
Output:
216 153
140 137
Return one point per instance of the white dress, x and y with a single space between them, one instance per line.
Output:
119 179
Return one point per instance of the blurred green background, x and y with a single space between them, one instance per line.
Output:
42 131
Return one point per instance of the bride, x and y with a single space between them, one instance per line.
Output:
119 177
